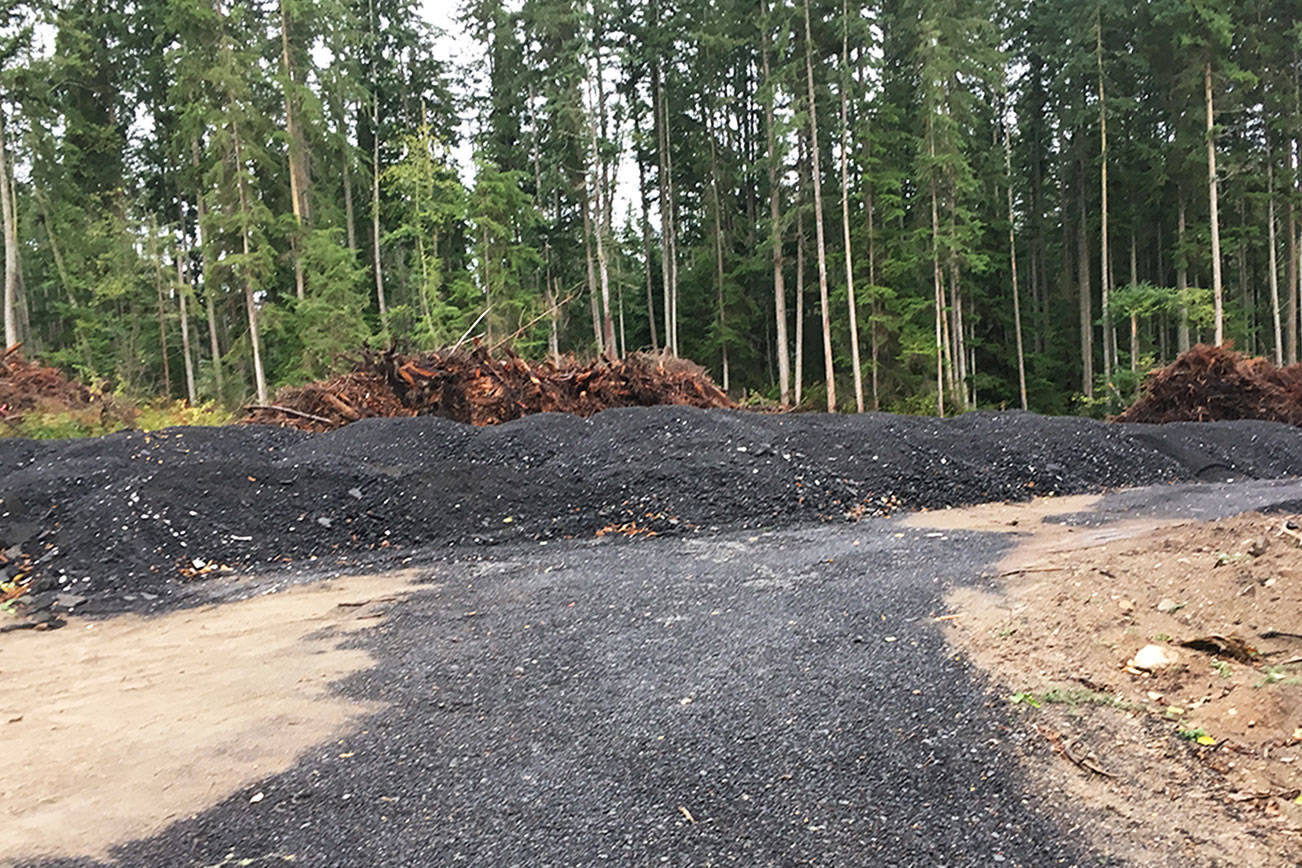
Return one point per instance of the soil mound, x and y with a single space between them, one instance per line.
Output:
475 387
29 387
1208 384
136 518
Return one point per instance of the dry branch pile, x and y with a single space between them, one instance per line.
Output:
1209 384
28 387
476 387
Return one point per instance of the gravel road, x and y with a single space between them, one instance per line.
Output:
778 698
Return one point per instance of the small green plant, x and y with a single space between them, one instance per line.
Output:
1197 736
1221 667
1025 699
1162 637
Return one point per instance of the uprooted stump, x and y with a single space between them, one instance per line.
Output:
479 388
1209 384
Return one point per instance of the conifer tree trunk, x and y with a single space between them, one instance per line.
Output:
1181 275
1083 280
798 374
250 304
156 265
200 277
375 211
1134 317
298 178
594 307
350 219
775 218
645 203
1272 266
607 327
1218 302
817 182
1291 286
9 229
1105 269
718 246
938 299
1012 264
845 211
182 293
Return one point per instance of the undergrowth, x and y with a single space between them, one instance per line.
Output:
92 422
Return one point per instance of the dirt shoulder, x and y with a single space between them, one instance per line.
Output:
1195 762
131 723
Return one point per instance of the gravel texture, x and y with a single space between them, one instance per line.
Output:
117 519
772 698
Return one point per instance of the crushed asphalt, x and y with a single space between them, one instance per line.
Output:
773 690
131 521
781 698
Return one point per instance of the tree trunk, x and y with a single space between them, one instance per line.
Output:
668 257
259 376
350 220
1291 286
199 280
646 228
775 218
1218 302
718 245
182 293
594 306
607 343
1012 267
1181 275
375 212
1105 261
1134 317
156 263
298 178
10 231
817 182
938 298
1272 266
845 210
798 374
1083 280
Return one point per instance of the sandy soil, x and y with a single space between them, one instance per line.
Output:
129 723
1197 763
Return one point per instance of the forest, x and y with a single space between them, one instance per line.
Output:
919 206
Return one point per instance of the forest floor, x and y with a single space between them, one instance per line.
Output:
655 634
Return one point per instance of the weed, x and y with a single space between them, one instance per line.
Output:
1222 668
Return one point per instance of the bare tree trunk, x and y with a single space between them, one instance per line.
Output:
718 244
1105 269
798 374
1012 264
817 182
939 291
1291 286
182 293
1134 318
1218 302
1181 275
668 258
10 231
375 213
199 278
775 217
1272 265
845 210
594 307
156 263
1083 279
350 220
259 376
297 169
646 230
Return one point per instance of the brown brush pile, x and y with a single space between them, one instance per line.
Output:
28 387
1209 384
476 387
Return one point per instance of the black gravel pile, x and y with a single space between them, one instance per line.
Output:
136 519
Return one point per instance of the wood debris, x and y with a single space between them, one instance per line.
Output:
1211 384
482 388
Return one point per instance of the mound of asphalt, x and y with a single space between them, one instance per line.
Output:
135 518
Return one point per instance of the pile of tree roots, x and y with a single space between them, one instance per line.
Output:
28 387
1212 384
480 388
